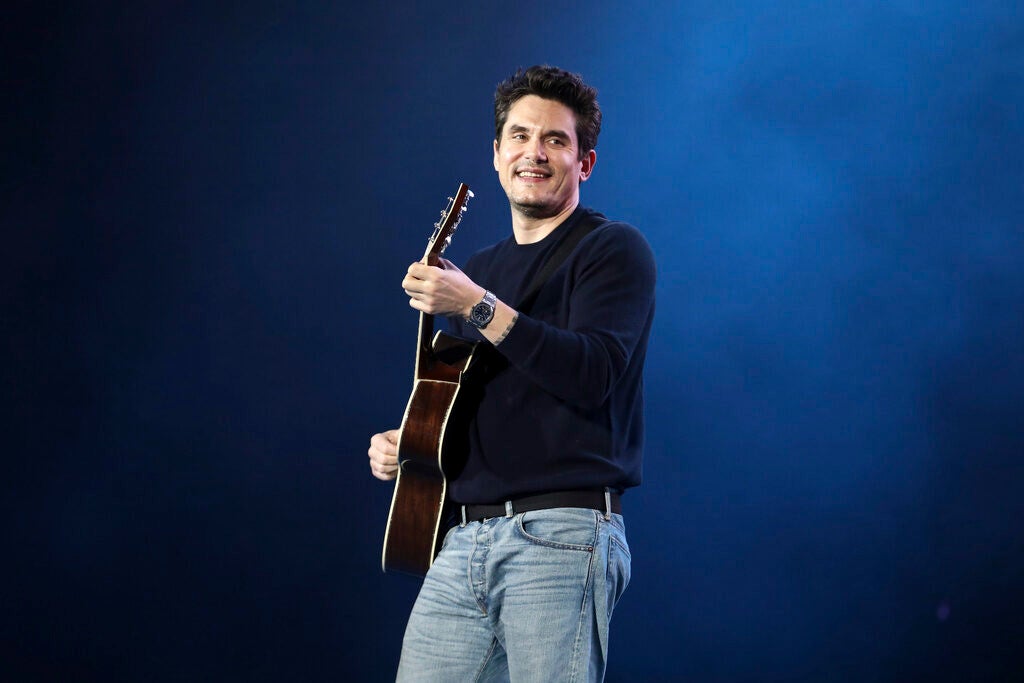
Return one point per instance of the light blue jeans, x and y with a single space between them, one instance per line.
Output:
525 599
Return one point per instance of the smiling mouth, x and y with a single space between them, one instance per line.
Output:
532 175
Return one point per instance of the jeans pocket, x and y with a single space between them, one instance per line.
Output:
619 569
566 528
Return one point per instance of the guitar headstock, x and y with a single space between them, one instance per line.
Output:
444 228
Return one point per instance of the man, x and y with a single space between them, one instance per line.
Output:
524 586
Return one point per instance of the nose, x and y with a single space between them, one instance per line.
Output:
536 152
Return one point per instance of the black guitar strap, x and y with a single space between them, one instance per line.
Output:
486 360
586 222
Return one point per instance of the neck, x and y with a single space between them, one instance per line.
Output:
529 229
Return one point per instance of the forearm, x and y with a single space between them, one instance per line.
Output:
580 367
501 324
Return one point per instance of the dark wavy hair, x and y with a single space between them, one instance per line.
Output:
551 83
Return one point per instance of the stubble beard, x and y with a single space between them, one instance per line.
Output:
532 209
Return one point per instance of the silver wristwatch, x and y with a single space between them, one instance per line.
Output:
483 312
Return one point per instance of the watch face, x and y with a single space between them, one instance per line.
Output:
482 313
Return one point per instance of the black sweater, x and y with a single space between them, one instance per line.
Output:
566 412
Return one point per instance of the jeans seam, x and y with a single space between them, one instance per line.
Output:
480 596
587 601
486 659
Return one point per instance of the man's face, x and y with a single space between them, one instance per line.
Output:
537 157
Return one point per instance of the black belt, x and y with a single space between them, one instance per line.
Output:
595 500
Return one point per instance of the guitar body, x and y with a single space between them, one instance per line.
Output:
433 437
431 449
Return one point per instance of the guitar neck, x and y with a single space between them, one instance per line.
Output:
424 352
451 216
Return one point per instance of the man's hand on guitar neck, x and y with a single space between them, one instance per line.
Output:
446 290
443 290
384 455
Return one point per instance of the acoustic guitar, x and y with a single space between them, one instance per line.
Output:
432 440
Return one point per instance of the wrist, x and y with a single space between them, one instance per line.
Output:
467 311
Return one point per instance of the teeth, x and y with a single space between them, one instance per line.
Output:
527 174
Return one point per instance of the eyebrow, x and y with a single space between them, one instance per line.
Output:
515 128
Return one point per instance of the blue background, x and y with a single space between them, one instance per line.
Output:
207 211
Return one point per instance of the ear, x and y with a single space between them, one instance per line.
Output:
495 154
587 165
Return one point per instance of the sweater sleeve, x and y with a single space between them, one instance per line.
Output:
611 301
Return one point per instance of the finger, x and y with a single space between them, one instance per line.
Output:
383 470
384 474
384 443
448 265
412 285
382 462
420 270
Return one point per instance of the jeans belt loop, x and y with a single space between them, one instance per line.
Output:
463 508
607 504
508 509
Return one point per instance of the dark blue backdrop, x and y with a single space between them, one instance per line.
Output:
207 210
